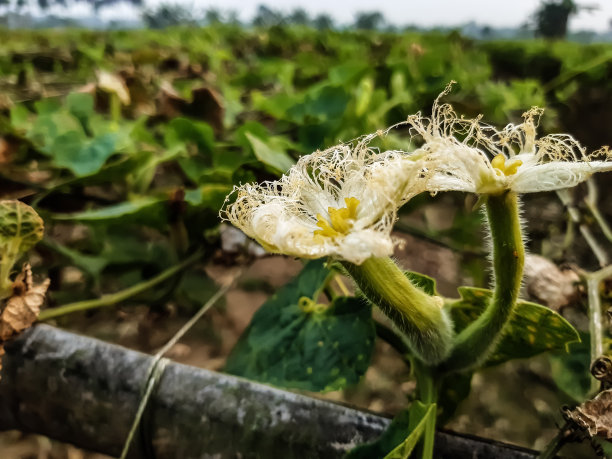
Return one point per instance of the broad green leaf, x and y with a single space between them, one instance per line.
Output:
210 196
277 159
532 329
20 227
454 389
306 346
80 105
181 130
47 106
81 155
92 265
20 117
571 371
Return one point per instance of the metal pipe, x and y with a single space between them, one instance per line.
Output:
86 392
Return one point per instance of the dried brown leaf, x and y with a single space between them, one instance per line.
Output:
22 308
594 416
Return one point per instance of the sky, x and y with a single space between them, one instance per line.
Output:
499 13
424 13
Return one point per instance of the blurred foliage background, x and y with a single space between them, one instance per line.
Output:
127 142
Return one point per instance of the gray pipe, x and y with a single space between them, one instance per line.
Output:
86 392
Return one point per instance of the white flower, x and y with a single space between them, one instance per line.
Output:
340 202
467 155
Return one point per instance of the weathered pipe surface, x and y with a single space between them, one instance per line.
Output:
86 392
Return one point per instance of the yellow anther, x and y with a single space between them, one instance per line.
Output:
340 220
326 230
513 167
500 166
499 162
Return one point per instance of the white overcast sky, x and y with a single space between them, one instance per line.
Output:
427 13
498 13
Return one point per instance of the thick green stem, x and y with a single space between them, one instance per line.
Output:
117 297
418 315
476 341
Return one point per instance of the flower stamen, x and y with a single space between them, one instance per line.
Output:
340 220
501 168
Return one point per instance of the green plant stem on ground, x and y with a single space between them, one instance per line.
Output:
477 340
117 297
418 315
428 394
555 445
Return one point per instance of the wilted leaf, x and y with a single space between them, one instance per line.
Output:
23 307
594 416
114 84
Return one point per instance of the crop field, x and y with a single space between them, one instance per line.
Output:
126 144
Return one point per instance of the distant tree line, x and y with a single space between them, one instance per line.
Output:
168 14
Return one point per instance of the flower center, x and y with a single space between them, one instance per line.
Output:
501 168
340 220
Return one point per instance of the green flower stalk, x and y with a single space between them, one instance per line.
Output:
419 316
341 203
478 340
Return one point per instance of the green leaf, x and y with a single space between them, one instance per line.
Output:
208 196
116 211
291 342
419 416
195 288
20 117
399 439
80 105
181 130
20 227
277 159
532 329
572 371
454 389
82 156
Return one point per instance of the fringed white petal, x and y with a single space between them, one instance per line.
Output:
556 175
283 215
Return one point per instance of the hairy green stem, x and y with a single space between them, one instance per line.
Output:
476 341
420 316
117 297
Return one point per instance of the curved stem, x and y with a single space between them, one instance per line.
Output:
117 297
477 340
418 315
555 445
